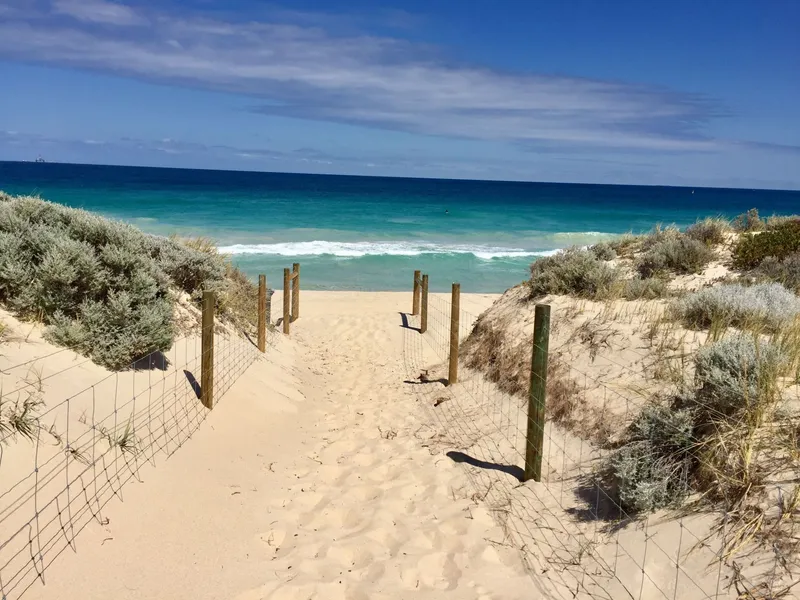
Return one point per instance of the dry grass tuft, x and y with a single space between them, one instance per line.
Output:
21 416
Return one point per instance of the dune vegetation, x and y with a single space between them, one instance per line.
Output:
105 288
677 355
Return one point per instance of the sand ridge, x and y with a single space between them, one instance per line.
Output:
307 482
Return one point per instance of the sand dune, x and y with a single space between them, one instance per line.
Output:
309 481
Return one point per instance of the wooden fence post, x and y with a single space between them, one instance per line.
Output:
537 396
262 313
207 348
415 304
296 291
286 299
423 320
455 313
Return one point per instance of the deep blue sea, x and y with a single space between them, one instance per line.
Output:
370 233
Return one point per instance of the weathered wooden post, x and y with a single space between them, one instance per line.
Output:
286 299
207 348
262 313
423 320
296 291
415 304
537 396
455 313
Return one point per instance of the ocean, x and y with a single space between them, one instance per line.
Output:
371 233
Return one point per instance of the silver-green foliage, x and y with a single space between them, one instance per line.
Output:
655 466
786 271
101 286
652 469
735 305
679 254
734 372
574 272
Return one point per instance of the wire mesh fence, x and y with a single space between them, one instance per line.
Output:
578 537
62 461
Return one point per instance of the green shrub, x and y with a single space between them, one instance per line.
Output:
679 254
603 251
748 222
645 289
574 272
735 372
652 469
786 271
694 441
709 231
102 287
768 305
777 220
658 235
625 244
779 242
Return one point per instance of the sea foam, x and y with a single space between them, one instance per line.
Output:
360 249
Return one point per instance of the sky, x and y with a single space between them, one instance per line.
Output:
631 92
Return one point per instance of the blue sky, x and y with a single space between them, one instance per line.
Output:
675 93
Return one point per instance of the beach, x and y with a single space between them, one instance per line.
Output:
310 479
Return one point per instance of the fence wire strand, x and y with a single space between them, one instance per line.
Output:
576 539
100 437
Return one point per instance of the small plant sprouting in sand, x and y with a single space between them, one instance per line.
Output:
55 435
21 415
126 441
388 434
594 336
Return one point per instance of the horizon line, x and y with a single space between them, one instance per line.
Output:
516 181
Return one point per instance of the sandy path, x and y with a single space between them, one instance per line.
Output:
308 482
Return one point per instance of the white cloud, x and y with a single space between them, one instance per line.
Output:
98 11
304 72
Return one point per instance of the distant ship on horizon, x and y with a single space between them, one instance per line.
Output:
40 159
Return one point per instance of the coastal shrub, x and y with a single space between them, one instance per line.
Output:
777 220
187 267
735 373
652 468
779 242
575 272
603 251
748 222
100 286
709 231
767 305
702 437
235 299
625 244
785 272
115 332
645 289
679 254
658 235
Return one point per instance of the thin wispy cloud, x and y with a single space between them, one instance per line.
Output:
98 11
304 71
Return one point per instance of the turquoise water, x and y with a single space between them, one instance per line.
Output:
371 233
